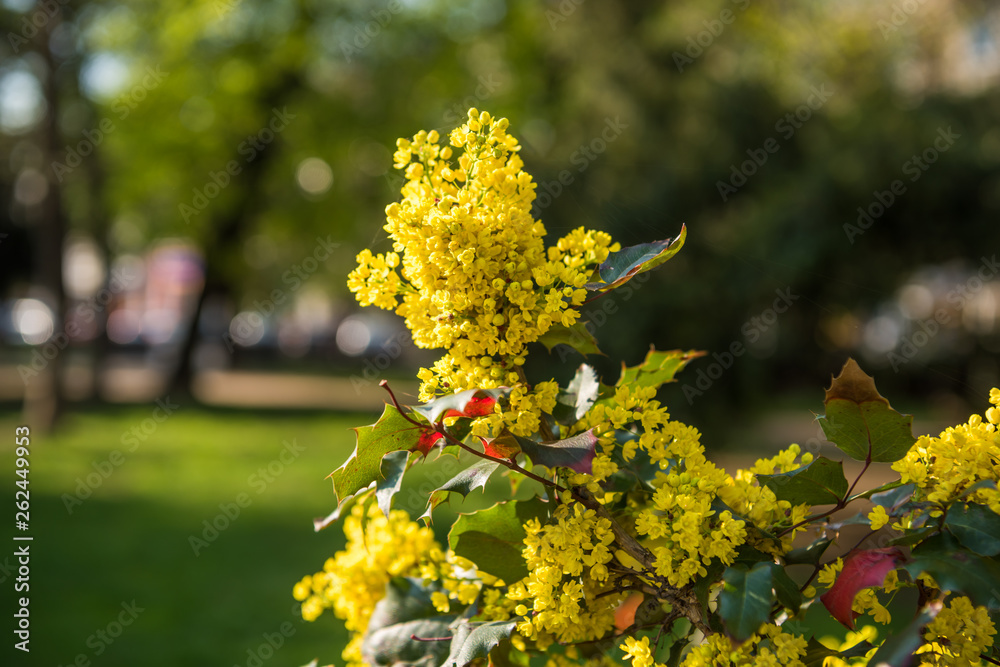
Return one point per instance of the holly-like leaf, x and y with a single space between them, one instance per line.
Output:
816 653
892 495
639 469
427 440
399 644
406 611
472 478
622 266
625 612
504 446
911 537
785 589
897 650
455 405
861 422
494 538
575 453
476 640
390 479
578 396
343 508
746 598
976 527
822 482
392 432
658 368
862 569
808 555
405 599
577 336
955 569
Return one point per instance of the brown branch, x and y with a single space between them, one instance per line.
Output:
841 504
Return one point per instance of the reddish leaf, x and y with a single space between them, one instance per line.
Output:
480 406
862 569
503 447
625 613
427 440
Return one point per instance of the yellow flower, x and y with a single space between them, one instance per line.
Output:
440 602
638 651
469 272
957 635
878 517
944 467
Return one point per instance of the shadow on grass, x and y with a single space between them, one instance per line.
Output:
207 609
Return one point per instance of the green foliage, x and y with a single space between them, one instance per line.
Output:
627 263
476 640
392 432
576 335
494 538
575 452
975 527
658 368
822 482
956 569
745 601
861 422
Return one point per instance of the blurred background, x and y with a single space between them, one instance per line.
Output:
184 186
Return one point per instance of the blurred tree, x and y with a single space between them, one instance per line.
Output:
762 125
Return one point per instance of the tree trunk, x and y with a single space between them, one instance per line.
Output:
228 232
44 394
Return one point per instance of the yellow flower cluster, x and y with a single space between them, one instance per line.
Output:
768 648
759 504
958 635
571 657
684 533
354 580
523 416
567 565
639 652
469 271
944 467
683 530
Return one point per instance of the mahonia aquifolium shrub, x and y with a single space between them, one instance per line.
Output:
633 546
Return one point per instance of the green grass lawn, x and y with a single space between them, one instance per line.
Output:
130 539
